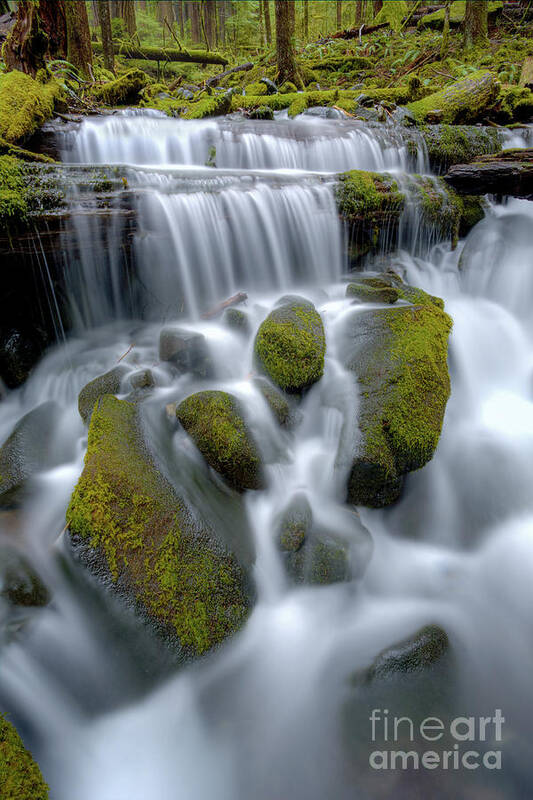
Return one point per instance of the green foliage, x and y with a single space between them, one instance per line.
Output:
20 777
25 104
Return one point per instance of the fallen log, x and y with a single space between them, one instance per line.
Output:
215 80
507 173
463 101
235 300
164 54
353 33
526 76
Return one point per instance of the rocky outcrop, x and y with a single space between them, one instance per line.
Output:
25 104
507 173
132 528
290 345
215 422
399 356
20 776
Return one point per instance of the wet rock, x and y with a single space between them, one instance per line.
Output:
215 422
275 399
263 112
19 583
186 350
185 94
19 352
310 556
29 449
372 294
237 320
415 654
290 346
270 85
20 776
108 383
399 356
143 379
132 528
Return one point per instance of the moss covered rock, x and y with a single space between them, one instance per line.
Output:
123 91
216 423
290 346
19 583
372 294
25 104
393 12
310 555
463 101
20 776
109 383
415 654
131 527
399 356
276 400
236 320
459 144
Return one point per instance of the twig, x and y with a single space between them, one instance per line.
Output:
130 348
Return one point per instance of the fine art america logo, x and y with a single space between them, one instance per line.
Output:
466 740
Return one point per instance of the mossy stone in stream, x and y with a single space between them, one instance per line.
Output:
290 346
263 112
237 320
20 776
215 422
399 356
132 528
372 294
415 654
108 383
19 583
278 403
186 350
310 556
463 101
459 144
123 91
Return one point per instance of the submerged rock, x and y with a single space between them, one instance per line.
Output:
108 383
237 320
186 350
399 356
278 403
415 654
28 450
133 529
19 583
215 421
20 776
290 346
310 556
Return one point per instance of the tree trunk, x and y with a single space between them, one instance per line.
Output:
221 11
284 44
79 51
292 16
128 15
54 24
526 76
306 20
268 26
378 5
339 14
114 8
358 12
445 32
94 8
210 22
107 36
195 21
27 43
166 12
475 24
149 53
178 13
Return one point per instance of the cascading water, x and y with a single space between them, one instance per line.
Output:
273 713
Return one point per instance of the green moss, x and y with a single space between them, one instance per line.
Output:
124 510
372 294
362 193
20 776
122 91
256 89
13 200
457 14
276 400
515 105
25 104
290 346
459 144
214 420
463 101
393 12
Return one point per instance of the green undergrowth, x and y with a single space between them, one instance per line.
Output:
25 104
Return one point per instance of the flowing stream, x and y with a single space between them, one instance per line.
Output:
274 713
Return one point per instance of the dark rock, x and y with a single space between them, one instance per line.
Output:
186 350
19 583
371 294
263 112
271 86
415 654
237 320
143 379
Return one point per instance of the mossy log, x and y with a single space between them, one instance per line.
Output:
215 80
165 54
526 76
20 776
435 20
506 173
132 528
464 101
399 355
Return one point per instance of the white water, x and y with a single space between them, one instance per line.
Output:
266 716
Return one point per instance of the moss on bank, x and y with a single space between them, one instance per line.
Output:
25 104
215 422
13 200
20 776
125 511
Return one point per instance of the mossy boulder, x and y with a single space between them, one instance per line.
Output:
372 294
108 383
515 104
290 346
28 450
416 654
278 403
310 555
20 776
13 192
466 100
459 144
263 112
133 529
186 350
214 420
256 89
123 91
25 104
236 320
399 356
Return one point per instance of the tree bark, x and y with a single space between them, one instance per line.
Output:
114 8
445 32
54 24
107 36
210 22
178 13
195 21
358 12
339 14
221 11
306 19
292 16
164 54
27 43
79 51
285 57
128 15
475 24
378 5
268 26
526 76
